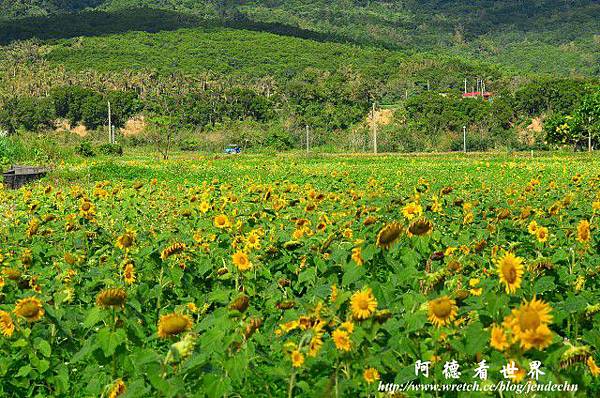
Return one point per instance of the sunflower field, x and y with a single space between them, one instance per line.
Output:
257 276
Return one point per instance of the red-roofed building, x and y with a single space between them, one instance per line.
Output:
476 94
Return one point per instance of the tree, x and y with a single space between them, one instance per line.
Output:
94 111
579 127
28 113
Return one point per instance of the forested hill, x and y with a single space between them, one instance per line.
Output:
556 36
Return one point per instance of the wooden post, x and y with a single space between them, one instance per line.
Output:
590 142
374 130
307 140
110 134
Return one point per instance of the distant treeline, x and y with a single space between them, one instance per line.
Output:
334 105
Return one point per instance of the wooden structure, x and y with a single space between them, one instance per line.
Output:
18 176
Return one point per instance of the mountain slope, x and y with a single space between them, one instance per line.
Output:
542 36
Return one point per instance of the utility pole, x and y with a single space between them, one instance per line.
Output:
110 132
465 139
307 140
374 126
590 142
465 85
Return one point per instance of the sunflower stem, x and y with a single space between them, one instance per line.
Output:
160 284
337 392
292 381
114 356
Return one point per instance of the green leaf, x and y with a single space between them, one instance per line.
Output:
476 339
414 322
352 273
43 347
544 284
24 371
42 365
109 340
94 316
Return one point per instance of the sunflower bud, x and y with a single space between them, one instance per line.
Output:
240 304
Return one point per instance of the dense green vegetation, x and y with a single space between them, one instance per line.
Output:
552 36
259 72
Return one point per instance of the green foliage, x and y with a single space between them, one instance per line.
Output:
111 149
28 113
329 101
579 127
85 149
79 104
550 95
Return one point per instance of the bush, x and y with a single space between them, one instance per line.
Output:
111 149
85 149
27 113
190 144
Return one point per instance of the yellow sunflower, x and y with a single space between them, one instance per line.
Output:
357 256
412 210
532 228
363 304
7 326
510 269
126 240
529 324
315 345
222 221
341 339
388 235
253 241
111 298
129 273
594 369
175 248
583 231
117 389
420 227
297 358
87 209
498 338
204 206
541 234
173 324
371 375
442 311
29 308
241 261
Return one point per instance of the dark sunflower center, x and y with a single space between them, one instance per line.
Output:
389 235
29 310
529 319
442 308
175 325
510 272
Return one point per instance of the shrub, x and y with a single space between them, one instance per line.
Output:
85 149
111 149
190 144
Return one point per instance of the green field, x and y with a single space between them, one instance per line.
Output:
287 275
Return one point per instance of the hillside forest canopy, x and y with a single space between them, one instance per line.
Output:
262 73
